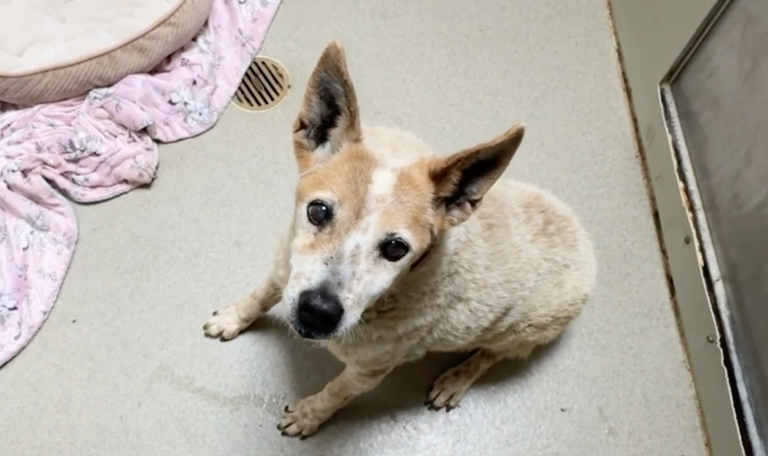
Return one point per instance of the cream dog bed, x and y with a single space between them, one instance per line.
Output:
51 50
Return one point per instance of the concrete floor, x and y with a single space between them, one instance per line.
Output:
122 367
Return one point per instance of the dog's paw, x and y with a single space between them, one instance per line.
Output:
225 324
302 419
448 390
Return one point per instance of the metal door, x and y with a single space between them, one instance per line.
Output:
696 73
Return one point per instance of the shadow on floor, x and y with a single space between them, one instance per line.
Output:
402 392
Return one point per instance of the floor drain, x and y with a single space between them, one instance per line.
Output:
264 85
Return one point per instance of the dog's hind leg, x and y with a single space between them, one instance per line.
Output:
450 387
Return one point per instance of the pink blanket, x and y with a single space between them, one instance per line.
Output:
99 146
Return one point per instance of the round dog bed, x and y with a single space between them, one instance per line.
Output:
51 50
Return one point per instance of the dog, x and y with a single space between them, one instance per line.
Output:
394 252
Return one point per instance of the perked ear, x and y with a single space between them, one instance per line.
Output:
462 179
329 114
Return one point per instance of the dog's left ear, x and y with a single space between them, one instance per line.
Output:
329 114
462 179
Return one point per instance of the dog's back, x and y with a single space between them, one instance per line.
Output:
537 258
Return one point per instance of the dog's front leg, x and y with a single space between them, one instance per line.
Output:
228 322
304 417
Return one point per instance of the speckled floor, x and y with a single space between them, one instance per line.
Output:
122 367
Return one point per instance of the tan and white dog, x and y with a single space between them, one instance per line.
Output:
392 255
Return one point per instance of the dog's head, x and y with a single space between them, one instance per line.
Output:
369 204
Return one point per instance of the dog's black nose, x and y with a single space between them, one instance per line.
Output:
319 313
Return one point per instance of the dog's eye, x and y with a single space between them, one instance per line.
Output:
393 249
318 213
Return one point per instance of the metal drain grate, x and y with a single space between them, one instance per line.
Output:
264 85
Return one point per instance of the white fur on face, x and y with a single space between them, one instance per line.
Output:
349 263
352 266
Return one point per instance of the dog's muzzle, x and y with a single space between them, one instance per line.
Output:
319 314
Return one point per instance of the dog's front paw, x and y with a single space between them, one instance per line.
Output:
448 390
303 418
225 324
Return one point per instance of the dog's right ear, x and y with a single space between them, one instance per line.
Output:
329 114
